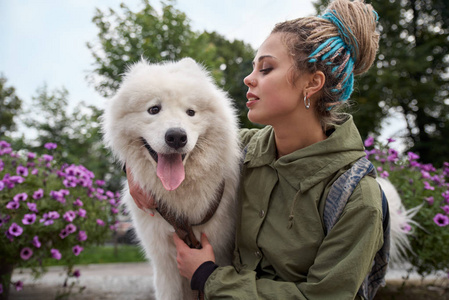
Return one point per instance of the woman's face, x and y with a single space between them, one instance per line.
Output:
272 96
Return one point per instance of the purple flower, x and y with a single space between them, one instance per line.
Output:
369 141
430 200
38 194
82 236
77 273
31 155
35 172
69 216
16 179
78 202
50 146
441 220
22 171
29 219
63 234
12 205
53 215
2 185
406 227
70 228
18 285
82 213
390 140
100 182
114 210
15 230
77 250
412 156
47 158
427 186
110 194
446 209
100 222
36 243
55 254
26 253
384 174
32 206
20 197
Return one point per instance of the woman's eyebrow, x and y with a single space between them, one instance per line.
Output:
262 57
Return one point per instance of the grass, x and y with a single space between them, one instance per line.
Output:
106 254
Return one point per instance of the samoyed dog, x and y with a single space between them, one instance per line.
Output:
178 135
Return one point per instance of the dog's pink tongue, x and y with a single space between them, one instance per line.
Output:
170 170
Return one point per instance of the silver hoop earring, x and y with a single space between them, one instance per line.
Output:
306 102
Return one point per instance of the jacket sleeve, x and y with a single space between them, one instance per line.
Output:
342 262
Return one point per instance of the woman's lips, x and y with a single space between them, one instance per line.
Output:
252 99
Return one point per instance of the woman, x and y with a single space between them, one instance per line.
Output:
302 76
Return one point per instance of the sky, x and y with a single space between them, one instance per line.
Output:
43 42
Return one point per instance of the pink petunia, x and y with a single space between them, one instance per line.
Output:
427 186
369 142
38 194
82 236
77 250
441 220
36 243
26 253
55 254
20 197
15 230
29 219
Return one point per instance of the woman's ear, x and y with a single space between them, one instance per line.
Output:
315 84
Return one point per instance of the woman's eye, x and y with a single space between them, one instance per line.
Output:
190 112
154 110
265 70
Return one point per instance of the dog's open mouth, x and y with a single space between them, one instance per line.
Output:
170 167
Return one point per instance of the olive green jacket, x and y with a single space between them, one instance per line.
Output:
281 249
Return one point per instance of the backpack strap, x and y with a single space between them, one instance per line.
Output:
342 189
336 200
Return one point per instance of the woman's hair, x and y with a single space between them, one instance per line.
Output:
341 43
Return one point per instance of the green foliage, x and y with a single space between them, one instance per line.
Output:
409 75
49 211
105 254
424 186
77 133
10 105
125 37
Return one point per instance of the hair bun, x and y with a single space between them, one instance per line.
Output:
356 22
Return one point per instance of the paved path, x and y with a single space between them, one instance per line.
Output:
133 281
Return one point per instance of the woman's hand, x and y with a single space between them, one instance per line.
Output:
190 259
143 200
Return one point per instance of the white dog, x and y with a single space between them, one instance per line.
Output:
177 133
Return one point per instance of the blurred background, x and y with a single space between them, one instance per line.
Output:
60 61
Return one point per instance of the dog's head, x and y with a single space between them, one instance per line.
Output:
160 113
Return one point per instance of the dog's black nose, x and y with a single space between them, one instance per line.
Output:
176 138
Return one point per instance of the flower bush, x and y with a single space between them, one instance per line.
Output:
418 184
49 212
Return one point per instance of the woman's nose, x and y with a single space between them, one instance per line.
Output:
249 81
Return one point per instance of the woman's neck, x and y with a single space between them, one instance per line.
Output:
294 137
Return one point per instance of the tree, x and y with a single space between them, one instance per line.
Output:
77 134
410 75
10 105
125 37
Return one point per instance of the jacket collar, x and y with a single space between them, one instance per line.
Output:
306 167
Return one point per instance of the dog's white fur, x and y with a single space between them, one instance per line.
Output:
212 155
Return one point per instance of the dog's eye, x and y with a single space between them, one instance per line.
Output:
190 112
154 110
